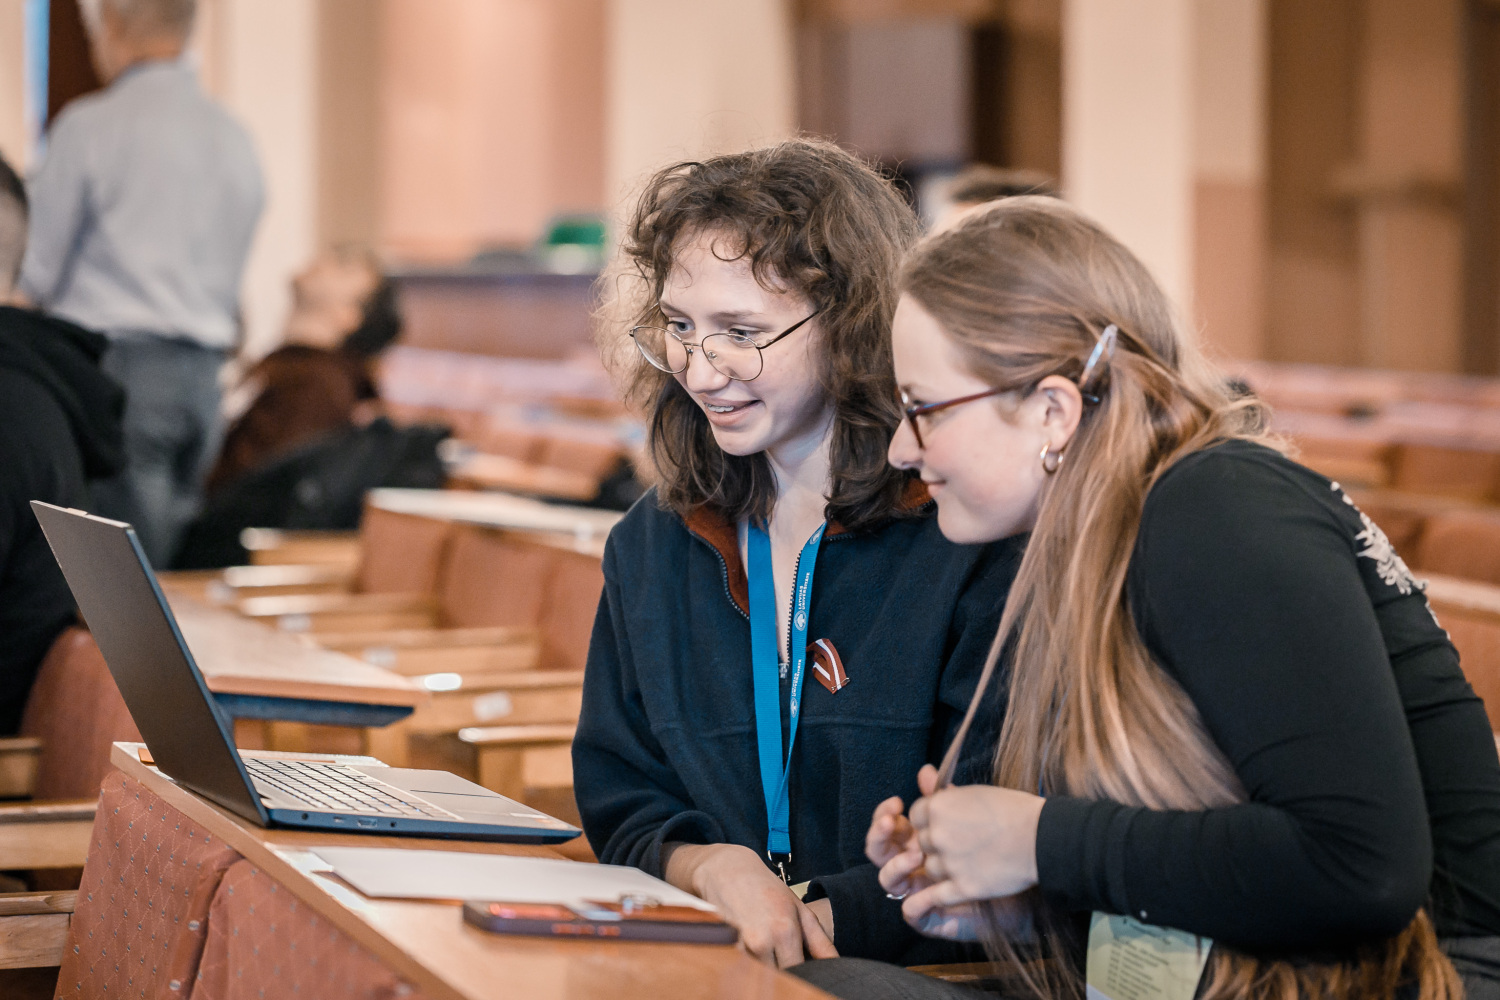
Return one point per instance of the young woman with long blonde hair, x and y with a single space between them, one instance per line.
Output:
1230 709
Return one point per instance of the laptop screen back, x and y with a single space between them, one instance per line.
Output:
111 580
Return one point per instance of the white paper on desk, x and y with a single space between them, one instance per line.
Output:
393 873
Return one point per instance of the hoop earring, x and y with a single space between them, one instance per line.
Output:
1050 460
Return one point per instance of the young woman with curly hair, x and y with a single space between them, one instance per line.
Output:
735 735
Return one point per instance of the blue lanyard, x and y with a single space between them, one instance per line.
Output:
765 662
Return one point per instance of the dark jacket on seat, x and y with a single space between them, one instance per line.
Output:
59 427
666 747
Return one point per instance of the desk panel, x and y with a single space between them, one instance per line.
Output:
428 944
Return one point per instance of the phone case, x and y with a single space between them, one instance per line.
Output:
625 920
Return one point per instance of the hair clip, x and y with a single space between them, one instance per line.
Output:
1105 349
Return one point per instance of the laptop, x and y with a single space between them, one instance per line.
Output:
190 737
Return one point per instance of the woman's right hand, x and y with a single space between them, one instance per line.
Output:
889 834
775 926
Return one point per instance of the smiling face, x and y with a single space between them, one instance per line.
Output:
785 408
982 460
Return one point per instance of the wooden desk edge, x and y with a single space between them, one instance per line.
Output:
408 696
246 839
242 837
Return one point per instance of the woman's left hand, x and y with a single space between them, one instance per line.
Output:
972 842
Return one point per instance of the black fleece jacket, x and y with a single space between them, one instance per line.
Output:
666 747
59 427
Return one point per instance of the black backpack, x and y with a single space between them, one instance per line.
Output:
317 486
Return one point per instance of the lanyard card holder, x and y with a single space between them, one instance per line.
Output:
1130 960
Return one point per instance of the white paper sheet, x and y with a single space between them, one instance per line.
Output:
392 873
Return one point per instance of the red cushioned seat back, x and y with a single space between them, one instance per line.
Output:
143 905
265 942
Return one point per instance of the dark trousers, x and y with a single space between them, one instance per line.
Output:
172 435
1477 960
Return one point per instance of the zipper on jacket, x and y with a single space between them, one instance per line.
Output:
724 570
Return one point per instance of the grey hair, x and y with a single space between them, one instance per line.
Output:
144 18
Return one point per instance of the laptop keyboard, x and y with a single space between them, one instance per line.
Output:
335 788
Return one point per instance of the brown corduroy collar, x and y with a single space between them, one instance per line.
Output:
710 524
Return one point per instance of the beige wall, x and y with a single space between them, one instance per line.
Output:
1229 143
674 93
348 151
15 141
491 115
1164 127
1128 127
1405 185
260 58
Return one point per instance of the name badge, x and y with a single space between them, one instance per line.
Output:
1129 960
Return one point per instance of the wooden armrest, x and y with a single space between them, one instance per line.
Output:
273 545
274 606
46 834
502 680
24 904
426 638
507 737
512 759
527 699
19 758
343 612
190 582
417 652
1468 596
501 472
238 582
53 811
34 928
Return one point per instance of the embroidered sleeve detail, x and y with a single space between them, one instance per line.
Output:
1390 567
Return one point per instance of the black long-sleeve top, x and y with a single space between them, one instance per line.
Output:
1321 673
666 749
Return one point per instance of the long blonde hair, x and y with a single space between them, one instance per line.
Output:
1025 289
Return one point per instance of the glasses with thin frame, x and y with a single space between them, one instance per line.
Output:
1104 351
735 355
914 410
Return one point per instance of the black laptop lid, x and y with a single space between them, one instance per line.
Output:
172 707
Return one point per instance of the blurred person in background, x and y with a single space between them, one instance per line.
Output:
344 313
979 183
141 217
59 427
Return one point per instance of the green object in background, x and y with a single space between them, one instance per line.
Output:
578 230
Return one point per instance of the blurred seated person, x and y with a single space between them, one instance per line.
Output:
60 426
979 183
320 380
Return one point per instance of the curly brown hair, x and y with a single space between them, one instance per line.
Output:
813 219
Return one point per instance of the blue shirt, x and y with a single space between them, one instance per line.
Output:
142 210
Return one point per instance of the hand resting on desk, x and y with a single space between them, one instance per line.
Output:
775 926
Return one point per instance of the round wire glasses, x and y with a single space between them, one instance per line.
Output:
731 354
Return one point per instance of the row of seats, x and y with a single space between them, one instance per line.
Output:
546 428
493 622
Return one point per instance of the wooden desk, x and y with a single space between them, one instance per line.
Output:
498 510
429 945
257 672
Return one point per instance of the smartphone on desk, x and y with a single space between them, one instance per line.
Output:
630 918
